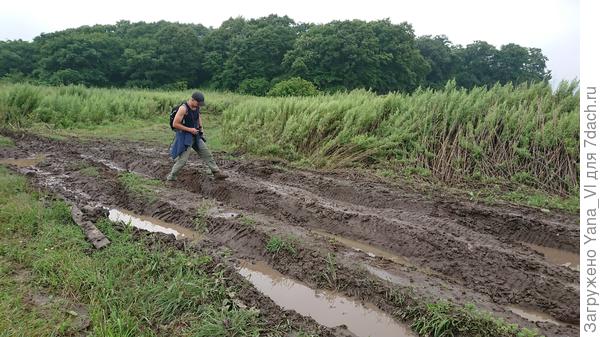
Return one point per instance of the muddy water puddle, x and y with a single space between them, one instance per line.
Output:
225 215
362 247
327 308
111 165
152 224
23 162
385 275
533 315
557 256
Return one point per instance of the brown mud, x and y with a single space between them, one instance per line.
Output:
353 233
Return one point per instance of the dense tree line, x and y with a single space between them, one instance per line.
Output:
253 55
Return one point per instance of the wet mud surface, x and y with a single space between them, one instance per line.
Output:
376 235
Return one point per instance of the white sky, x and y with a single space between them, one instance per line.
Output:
552 25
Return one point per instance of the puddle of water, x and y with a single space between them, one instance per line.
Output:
385 275
533 315
226 215
152 224
23 162
557 256
368 249
327 308
108 163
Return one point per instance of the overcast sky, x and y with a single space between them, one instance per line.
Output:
552 25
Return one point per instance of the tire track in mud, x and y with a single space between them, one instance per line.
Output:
490 269
512 223
427 235
105 190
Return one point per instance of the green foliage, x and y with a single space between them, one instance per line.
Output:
524 178
442 318
440 57
17 57
246 55
201 218
358 54
90 171
527 131
248 221
542 200
294 86
79 57
481 64
225 323
138 185
18 102
247 49
78 106
277 244
436 322
330 272
6 142
254 86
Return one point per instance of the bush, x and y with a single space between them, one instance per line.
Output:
254 86
176 86
294 86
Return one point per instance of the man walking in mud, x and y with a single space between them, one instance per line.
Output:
189 136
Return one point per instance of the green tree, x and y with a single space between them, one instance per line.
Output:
358 54
440 58
519 64
17 57
250 55
477 65
164 55
87 58
241 49
254 86
481 64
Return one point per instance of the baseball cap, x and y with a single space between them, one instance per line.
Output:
198 97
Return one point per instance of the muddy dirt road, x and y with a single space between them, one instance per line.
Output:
356 235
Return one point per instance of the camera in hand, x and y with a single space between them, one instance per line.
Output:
201 134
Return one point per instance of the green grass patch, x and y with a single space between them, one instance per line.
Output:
88 113
248 221
543 200
441 319
75 106
330 272
83 168
39 314
139 186
128 288
90 171
6 142
151 131
201 218
278 244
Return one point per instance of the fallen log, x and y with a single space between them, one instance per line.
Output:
92 233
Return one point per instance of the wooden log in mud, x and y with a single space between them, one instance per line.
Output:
93 234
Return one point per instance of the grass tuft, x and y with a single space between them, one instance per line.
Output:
278 244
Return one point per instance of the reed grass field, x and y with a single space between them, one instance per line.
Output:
526 134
